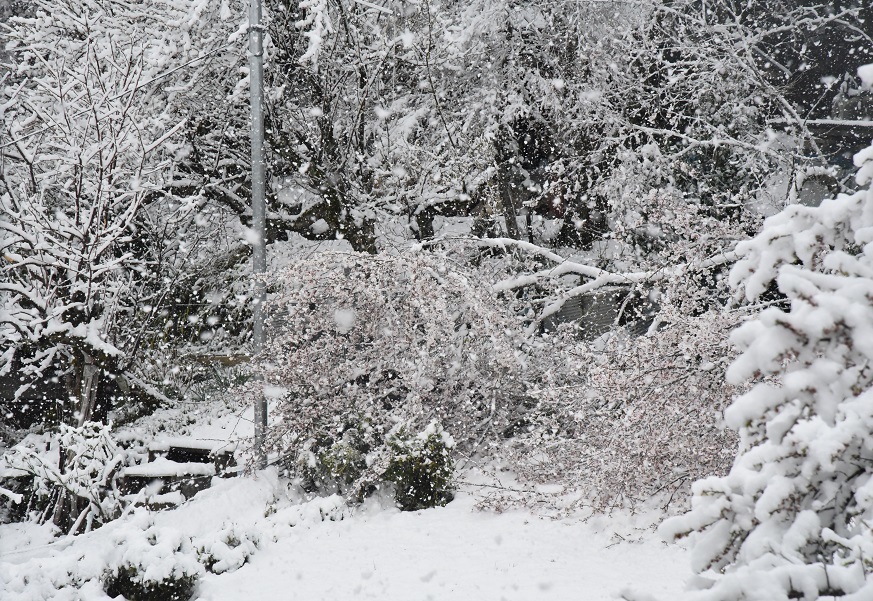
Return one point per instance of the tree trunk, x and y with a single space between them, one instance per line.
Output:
505 153
82 384
88 392
504 183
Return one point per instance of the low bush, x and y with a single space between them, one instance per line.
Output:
418 466
69 477
155 564
227 550
128 583
421 468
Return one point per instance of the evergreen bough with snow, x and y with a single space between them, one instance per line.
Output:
792 519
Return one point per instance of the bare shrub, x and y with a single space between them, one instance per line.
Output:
646 423
366 345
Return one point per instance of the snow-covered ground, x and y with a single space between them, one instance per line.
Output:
454 553
322 550
269 544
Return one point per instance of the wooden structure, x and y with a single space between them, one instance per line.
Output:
604 309
177 469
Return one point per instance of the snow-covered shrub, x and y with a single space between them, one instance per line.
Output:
72 476
646 423
228 550
362 343
792 518
421 467
155 564
336 465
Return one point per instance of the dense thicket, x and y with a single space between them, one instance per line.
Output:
104 260
628 145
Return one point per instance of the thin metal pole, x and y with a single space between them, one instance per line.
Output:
259 211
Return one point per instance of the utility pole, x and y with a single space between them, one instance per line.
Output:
259 209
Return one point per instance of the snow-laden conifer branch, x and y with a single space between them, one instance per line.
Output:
791 517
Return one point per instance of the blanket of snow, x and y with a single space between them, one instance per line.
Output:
162 468
454 554
321 549
267 543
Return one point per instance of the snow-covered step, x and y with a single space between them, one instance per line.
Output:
163 479
194 450
179 468
162 467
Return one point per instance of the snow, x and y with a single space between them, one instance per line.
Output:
170 498
251 237
832 122
162 468
451 553
319 227
865 72
19 538
209 425
344 319
212 446
266 544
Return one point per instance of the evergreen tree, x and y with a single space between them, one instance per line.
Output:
792 518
